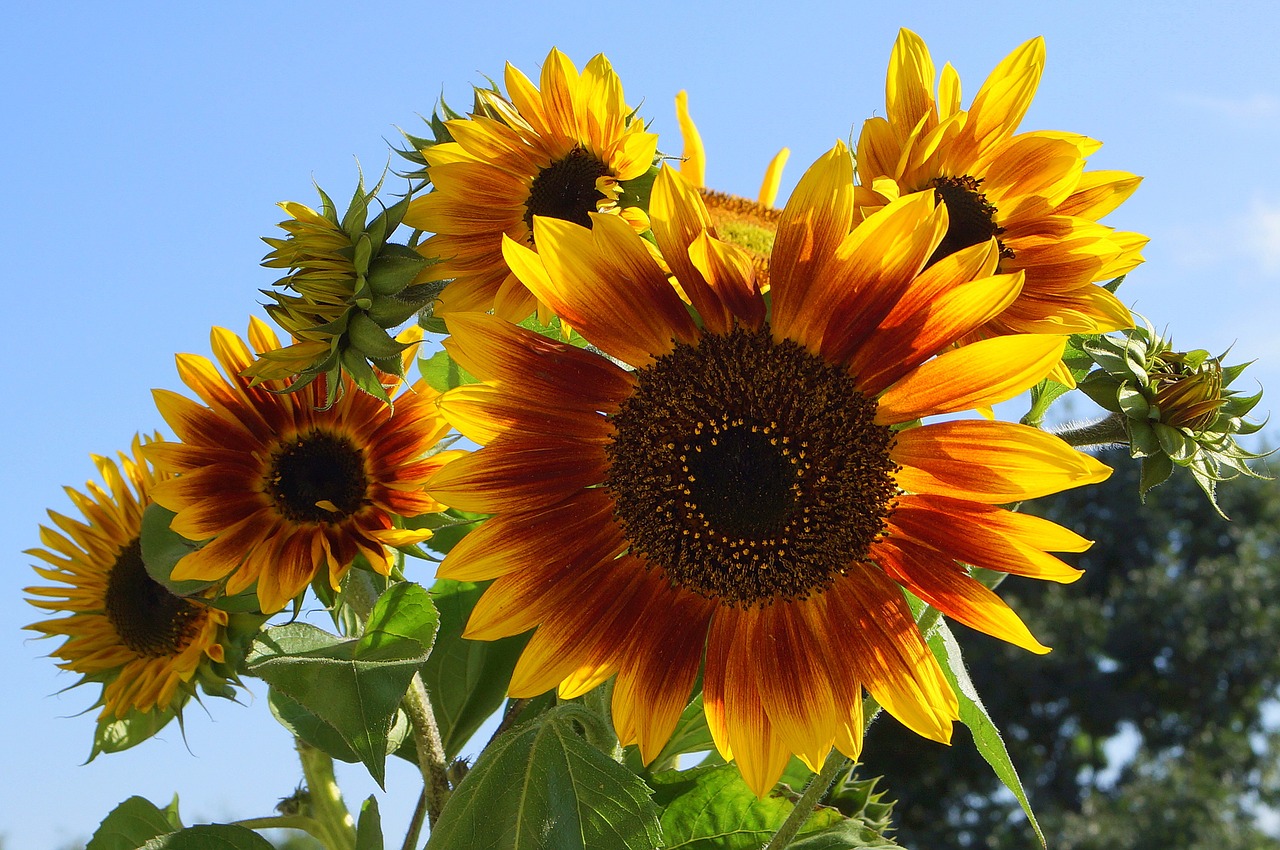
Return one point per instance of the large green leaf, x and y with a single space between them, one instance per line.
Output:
711 808
973 714
467 679
215 836
293 716
132 823
442 373
541 786
355 686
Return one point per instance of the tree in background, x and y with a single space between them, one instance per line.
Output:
1169 643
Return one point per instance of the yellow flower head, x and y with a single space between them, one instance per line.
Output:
744 497
148 648
564 150
1027 190
284 487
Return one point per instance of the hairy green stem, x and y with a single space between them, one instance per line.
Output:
426 738
1108 431
335 828
415 823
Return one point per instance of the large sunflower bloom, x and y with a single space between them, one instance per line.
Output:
147 647
743 488
560 151
284 488
1028 190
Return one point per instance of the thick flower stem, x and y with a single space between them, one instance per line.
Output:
1108 431
426 737
327 808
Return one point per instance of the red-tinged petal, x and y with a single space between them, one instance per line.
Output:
1031 530
226 552
877 151
196 424
909 83
889 655
501 353
607 286
981 374
1001 103
905 339
516 474
730 273
679 217
990 462
509 541
482 413
659 665
817 218
793 678
945 585
297 564
737 720
1099 193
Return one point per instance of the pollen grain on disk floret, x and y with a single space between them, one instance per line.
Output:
743 495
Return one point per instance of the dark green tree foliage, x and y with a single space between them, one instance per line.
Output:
1172 637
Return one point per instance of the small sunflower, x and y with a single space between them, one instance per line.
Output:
745 487
562 151
148 648
751 225
1028 190
284 486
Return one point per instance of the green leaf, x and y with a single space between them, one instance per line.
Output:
541 786
371 339
117 735
369 831
304 725
973 714
215 836
442 373
162 548
132 823
711 808
354 686
467 679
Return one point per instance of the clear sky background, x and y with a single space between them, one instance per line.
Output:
145 146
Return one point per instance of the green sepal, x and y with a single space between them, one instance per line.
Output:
362 375
637 191
1156 469
372 340
394 268
1103 389
355 686
542 786
133 823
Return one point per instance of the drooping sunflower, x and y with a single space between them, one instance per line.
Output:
283 487
745 487
561 150
148 648
1028 190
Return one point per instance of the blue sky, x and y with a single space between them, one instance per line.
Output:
148 144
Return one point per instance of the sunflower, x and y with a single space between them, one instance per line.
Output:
750 225
147 647
283 487
1028 190
745 488
560 151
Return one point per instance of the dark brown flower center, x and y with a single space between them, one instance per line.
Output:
566 189
971 217
147 618
750 471
317 477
